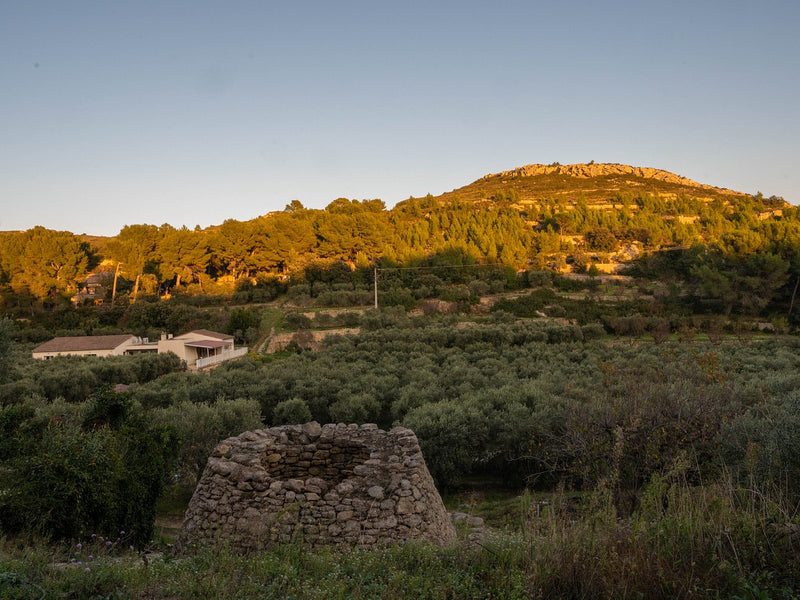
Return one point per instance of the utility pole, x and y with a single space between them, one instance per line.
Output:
794 293
114 291
375 280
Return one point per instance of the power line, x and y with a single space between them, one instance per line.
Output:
437 267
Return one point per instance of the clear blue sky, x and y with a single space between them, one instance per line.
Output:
115 112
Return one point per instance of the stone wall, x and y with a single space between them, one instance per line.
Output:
317 485
306 338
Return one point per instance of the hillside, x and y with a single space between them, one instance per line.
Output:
564 218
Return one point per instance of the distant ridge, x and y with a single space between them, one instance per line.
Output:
587 170
596 183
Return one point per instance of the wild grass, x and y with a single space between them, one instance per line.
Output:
684 540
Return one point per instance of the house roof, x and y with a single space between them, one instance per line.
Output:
97 278
206 343
84 343
207 333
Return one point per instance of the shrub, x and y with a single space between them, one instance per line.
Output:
351 319
538 278
200 427
297 321
762 444
244 321
450 435
292 411
68 379
478 288
592 331
68 481
299 292
397 296
686 541
357 408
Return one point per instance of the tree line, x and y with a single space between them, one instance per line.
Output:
42 265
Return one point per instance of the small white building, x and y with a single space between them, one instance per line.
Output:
201 347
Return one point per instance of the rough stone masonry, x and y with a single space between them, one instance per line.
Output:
316 485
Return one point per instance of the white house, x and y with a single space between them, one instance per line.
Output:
199 348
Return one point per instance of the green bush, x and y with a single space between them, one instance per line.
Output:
297 321
357 408
68 380
397 296
243 324
537 278
200 427
451 434
292 411
763 444
592 331
66 481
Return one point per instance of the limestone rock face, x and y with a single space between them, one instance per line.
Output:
317 485
602 169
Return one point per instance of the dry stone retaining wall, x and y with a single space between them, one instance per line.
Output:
318 485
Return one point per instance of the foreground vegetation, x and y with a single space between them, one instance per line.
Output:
655 466
714 540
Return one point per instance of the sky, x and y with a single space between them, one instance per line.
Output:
118 112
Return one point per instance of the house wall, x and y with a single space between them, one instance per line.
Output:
177 347
48 355
188 353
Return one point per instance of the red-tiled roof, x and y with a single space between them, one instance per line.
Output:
84 343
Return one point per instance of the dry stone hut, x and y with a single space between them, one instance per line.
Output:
317 485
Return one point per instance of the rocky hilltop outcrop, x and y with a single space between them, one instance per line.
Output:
587 170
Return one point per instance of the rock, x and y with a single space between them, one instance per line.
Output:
475 522
344 488
405 506
296 485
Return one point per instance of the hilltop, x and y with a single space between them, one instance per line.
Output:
588 170
592 182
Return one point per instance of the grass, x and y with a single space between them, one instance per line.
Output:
271 319
170 511
504 509
407 571
683 541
